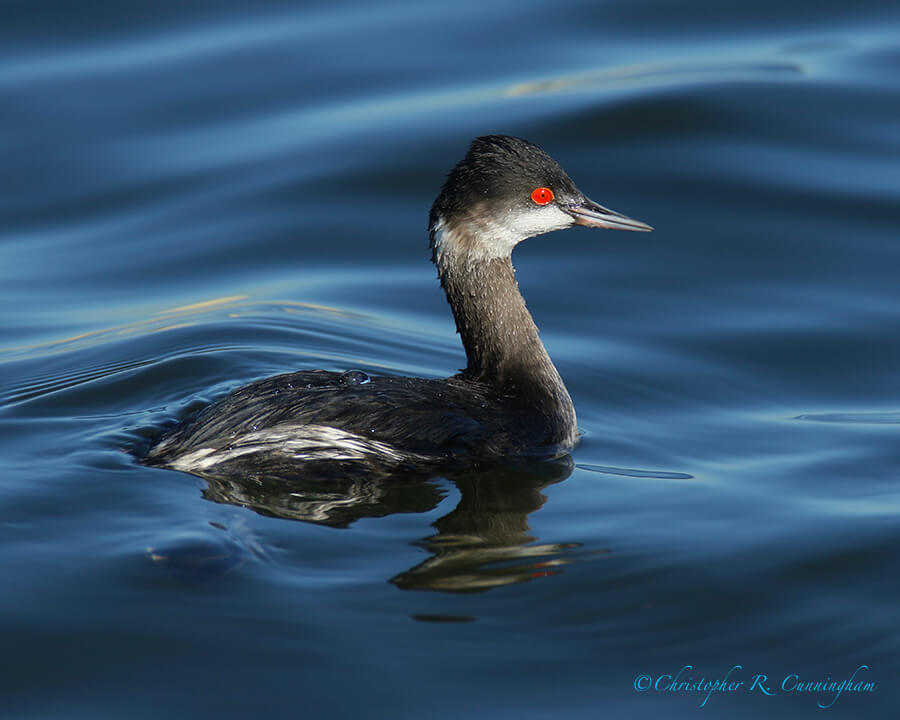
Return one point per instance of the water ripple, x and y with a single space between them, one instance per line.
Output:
631 472
668 74
863 418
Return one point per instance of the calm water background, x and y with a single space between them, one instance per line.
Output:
194 195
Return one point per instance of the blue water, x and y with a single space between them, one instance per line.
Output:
195 195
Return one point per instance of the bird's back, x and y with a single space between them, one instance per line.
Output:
350 419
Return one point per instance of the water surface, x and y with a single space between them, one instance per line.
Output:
196 196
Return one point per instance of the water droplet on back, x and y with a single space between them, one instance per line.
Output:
355 377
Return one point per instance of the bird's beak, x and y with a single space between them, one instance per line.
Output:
590 214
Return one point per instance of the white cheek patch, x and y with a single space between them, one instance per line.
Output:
486 238
529 223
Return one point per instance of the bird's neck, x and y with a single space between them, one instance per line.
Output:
501 341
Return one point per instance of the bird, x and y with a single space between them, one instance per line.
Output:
509 404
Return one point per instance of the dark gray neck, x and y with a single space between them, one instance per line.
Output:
500 338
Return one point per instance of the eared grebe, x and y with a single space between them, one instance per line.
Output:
509 402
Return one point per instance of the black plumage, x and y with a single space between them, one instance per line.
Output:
435 422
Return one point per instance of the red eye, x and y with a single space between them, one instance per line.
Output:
542 196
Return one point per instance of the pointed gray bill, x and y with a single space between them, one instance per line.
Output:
590 214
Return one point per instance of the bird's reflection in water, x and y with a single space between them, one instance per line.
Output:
484 542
